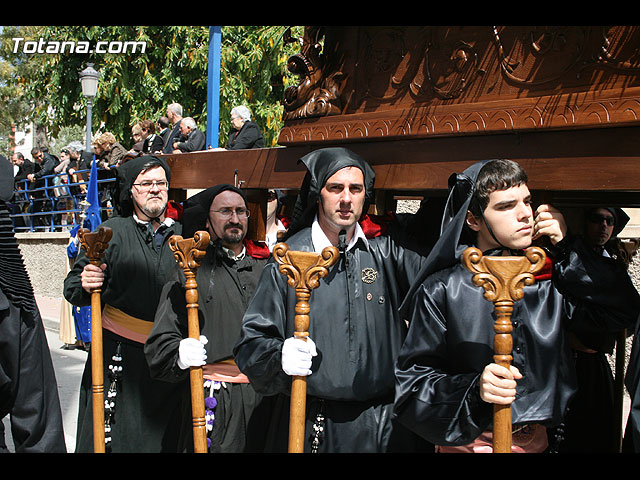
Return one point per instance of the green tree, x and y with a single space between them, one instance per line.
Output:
137 85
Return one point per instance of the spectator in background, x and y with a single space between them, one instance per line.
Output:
136 133
174 114
46 161
80 160
162 126
193 138
65 160
108 150
25 166
244 133
151 143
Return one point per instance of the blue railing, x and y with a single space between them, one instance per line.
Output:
53 203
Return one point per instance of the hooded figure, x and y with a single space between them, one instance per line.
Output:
137 263
354 324
590 425
321 165
450 339
226 282
127 174
28 387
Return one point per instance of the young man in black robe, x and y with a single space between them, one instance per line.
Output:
28 387
447 382
227 277
355 331
143 412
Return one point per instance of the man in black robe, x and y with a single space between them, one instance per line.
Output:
28 387
142 413
590 423
446 381
227 277
355 331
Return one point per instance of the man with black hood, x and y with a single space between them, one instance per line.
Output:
227 277
28 387
142 414
355 331
590 424
447 382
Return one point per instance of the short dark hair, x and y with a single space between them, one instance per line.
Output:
495 175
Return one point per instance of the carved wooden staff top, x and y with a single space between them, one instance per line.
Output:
95 244
188 253
503 279
303 271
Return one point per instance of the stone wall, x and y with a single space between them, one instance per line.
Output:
45 257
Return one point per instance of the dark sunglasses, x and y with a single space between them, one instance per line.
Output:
595 218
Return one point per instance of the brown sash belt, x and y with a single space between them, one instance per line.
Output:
125 325
138 330
224 371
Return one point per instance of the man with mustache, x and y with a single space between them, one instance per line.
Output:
142 414
355 331
227 277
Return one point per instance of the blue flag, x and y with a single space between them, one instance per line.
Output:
94 217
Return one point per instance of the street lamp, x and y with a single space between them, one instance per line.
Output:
89 81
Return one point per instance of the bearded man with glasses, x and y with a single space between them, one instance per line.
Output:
227 278
143 412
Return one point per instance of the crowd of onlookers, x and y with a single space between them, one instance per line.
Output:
68 173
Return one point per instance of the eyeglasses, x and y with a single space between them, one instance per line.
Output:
228 212
595 218
146 185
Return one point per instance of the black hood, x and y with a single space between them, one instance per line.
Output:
452 242
196 208
321 165
621 220
127 174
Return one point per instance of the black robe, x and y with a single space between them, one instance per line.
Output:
358 332
450 341
247 137
146 414
631 443
225 287
28 387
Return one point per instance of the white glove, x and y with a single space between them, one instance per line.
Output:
297 355
191 352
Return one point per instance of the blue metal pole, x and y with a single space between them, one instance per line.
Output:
213 86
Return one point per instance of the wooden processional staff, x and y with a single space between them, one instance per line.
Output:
188 252
503 279
95 244
303 271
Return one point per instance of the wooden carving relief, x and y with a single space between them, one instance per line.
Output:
317 92
445 80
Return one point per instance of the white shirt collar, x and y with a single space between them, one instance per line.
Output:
167 221
320 240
